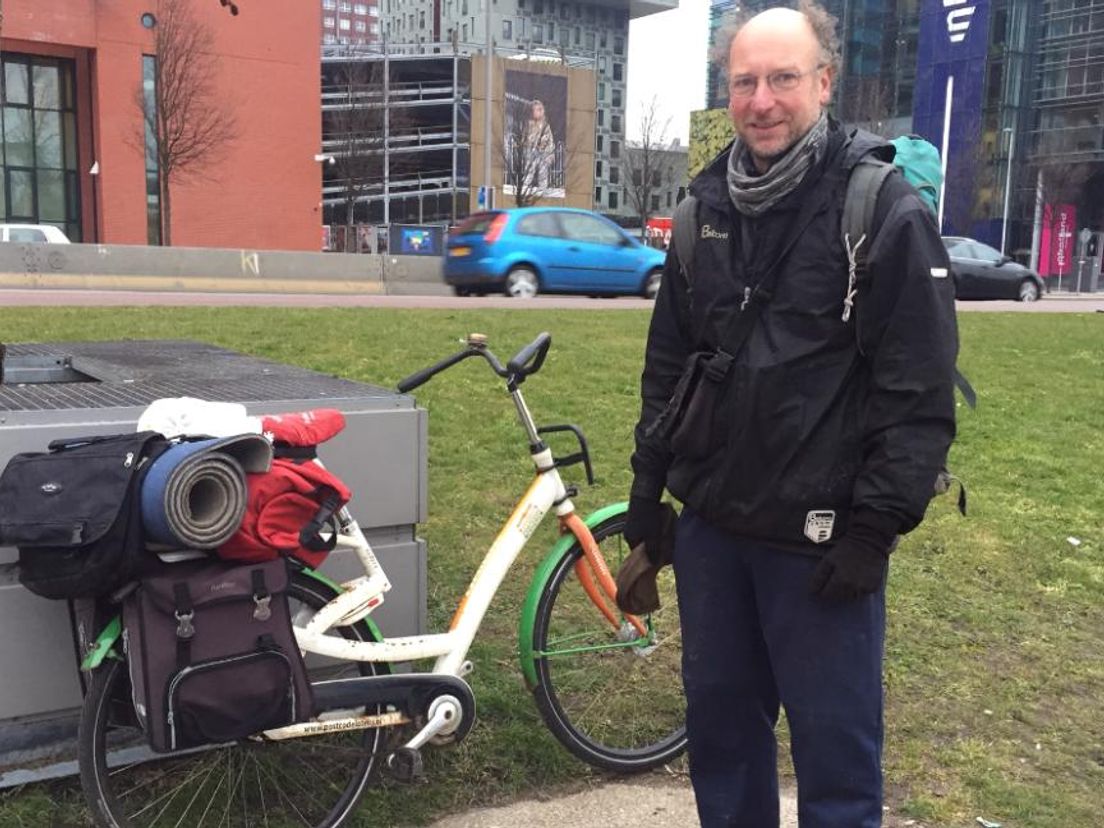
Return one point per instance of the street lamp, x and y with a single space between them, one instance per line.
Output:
1007 187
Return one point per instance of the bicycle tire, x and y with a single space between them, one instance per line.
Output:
226 785
620 708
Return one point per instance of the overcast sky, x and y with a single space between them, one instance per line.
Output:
667 59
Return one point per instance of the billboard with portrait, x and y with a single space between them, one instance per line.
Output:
535 134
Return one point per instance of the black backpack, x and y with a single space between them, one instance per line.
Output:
73 513
857 223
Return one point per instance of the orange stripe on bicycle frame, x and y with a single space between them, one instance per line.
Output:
594 563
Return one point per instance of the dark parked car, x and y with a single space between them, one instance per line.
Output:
527 250
980 272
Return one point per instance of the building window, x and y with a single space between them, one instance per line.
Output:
39 147
551 32
578 35
464 33
329 5
374 28
615 123
421 20
598 142
615 175
619 45
345 6
329 39
601 64
521 28
601 91
602 35
344 24
328 22
361 26
464 7
637 177
538 6
613 200
655 203
153 180
373 11
668 198
590 41
597 195
361 8
617 97
615 148
565 36
598 168
508 32
538 33
601 117
618 71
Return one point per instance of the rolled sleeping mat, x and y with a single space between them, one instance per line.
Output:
194 494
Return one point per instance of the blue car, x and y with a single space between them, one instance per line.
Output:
529 250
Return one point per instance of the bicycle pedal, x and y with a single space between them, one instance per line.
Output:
405 764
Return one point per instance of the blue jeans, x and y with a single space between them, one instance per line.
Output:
754 639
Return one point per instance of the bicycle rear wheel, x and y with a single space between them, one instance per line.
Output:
313 781
612 697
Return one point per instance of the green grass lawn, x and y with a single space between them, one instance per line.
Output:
995 652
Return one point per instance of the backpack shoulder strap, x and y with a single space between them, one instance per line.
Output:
683 231
863 187
864 183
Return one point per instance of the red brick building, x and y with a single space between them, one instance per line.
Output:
72 139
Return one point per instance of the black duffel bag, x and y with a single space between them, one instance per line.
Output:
212 654
73 512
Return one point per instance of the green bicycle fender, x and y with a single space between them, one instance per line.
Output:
536 589
338 588
104 645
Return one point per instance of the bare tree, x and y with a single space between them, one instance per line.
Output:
651 166
187 119
866 103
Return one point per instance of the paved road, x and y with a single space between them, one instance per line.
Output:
1083 303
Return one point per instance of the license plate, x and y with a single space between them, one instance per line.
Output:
459 251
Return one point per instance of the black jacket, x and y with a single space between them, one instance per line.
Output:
819 415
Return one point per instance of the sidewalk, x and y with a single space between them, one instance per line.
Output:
664 804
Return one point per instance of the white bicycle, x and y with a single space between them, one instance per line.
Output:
607 685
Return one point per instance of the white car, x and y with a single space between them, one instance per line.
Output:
35 233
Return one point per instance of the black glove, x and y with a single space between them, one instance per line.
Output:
645 522
856 565
637 593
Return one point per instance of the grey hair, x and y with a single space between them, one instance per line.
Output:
819 19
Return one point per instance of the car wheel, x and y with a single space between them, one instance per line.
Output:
1029 291
522 283
461 291
651 284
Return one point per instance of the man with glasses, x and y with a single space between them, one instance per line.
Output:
828 423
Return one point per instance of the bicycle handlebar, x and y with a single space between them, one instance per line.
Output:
515 372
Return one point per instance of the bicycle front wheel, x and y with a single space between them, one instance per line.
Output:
313 782
612 696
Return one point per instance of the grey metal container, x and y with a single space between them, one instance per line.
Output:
55 390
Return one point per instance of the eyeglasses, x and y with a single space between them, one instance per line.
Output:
786 80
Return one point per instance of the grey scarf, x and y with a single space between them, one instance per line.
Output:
753 195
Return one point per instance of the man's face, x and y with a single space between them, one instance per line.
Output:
775 109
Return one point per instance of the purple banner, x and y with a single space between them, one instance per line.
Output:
953 41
